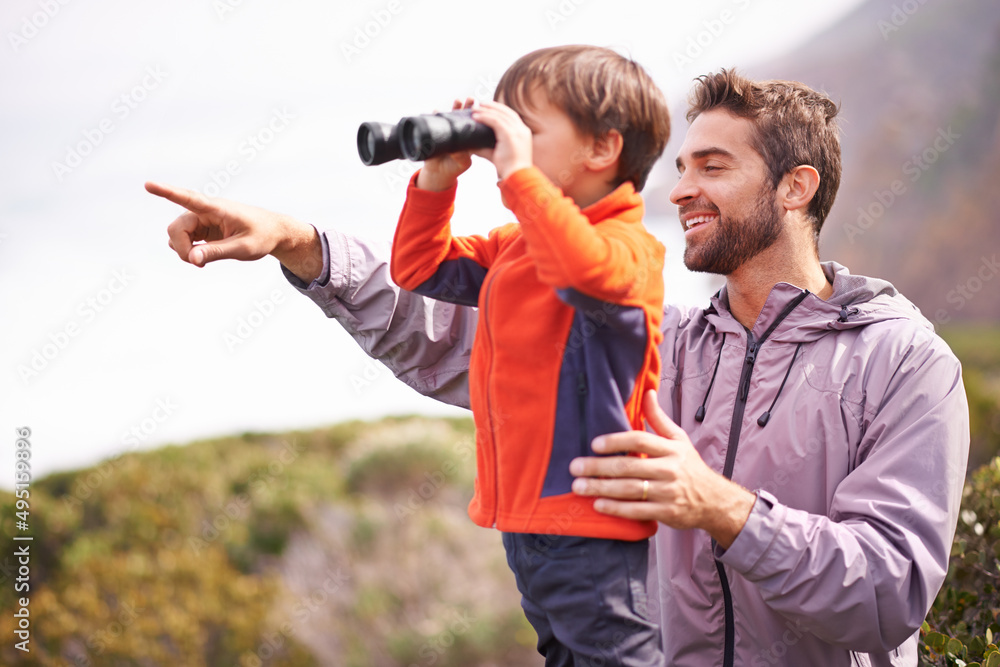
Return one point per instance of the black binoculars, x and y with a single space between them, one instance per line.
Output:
420 138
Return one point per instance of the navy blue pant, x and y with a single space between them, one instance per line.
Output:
586 599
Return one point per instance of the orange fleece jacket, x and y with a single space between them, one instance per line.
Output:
570 305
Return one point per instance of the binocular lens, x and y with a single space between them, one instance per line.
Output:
378 143
415 140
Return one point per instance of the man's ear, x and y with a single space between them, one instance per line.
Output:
606 151
798 187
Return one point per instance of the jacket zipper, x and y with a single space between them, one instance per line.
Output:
581 400
753 346
488 378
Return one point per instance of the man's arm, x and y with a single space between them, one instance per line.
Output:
863 577
425 343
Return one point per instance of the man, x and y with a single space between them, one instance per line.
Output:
812 481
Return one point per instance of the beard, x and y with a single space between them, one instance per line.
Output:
735 241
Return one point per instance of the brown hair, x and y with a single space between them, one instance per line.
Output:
793 125
600 91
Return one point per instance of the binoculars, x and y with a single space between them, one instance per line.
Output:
419 138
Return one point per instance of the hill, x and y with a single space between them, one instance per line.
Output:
343 546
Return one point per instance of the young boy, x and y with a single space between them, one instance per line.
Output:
570 304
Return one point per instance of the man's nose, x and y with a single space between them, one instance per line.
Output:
685 190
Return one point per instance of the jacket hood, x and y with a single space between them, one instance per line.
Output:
857 301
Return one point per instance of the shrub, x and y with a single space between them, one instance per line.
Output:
962 628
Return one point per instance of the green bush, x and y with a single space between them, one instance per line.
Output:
978 348
984 415
962 628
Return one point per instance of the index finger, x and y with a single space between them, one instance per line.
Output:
189 199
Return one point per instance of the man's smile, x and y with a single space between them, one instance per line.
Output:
697 220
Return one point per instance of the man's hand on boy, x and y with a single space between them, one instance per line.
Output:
513 148
672 485
441 173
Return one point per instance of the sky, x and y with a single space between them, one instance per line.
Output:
112 344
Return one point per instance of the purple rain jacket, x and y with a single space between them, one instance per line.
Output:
846 417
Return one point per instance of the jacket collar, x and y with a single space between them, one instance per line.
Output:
623 203
856 301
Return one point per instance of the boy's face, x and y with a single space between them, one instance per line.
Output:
558 147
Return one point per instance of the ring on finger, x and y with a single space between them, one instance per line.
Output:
645 490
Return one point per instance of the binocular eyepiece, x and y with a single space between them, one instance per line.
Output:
420 138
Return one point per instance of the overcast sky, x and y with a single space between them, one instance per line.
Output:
110 343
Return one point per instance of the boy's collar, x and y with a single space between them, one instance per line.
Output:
622 203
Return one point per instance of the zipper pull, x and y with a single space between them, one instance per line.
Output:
744 389
750 359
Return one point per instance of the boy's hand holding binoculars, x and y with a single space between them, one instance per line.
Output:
445 142
442 172
512 150
513 147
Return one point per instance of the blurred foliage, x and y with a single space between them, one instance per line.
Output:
962 628
347 546
978 347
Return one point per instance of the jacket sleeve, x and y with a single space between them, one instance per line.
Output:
615 261
428 260
424 342
865 576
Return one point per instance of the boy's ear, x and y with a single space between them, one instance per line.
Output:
606 151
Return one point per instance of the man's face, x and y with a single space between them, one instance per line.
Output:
726 201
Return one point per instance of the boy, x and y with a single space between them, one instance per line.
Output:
570 304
